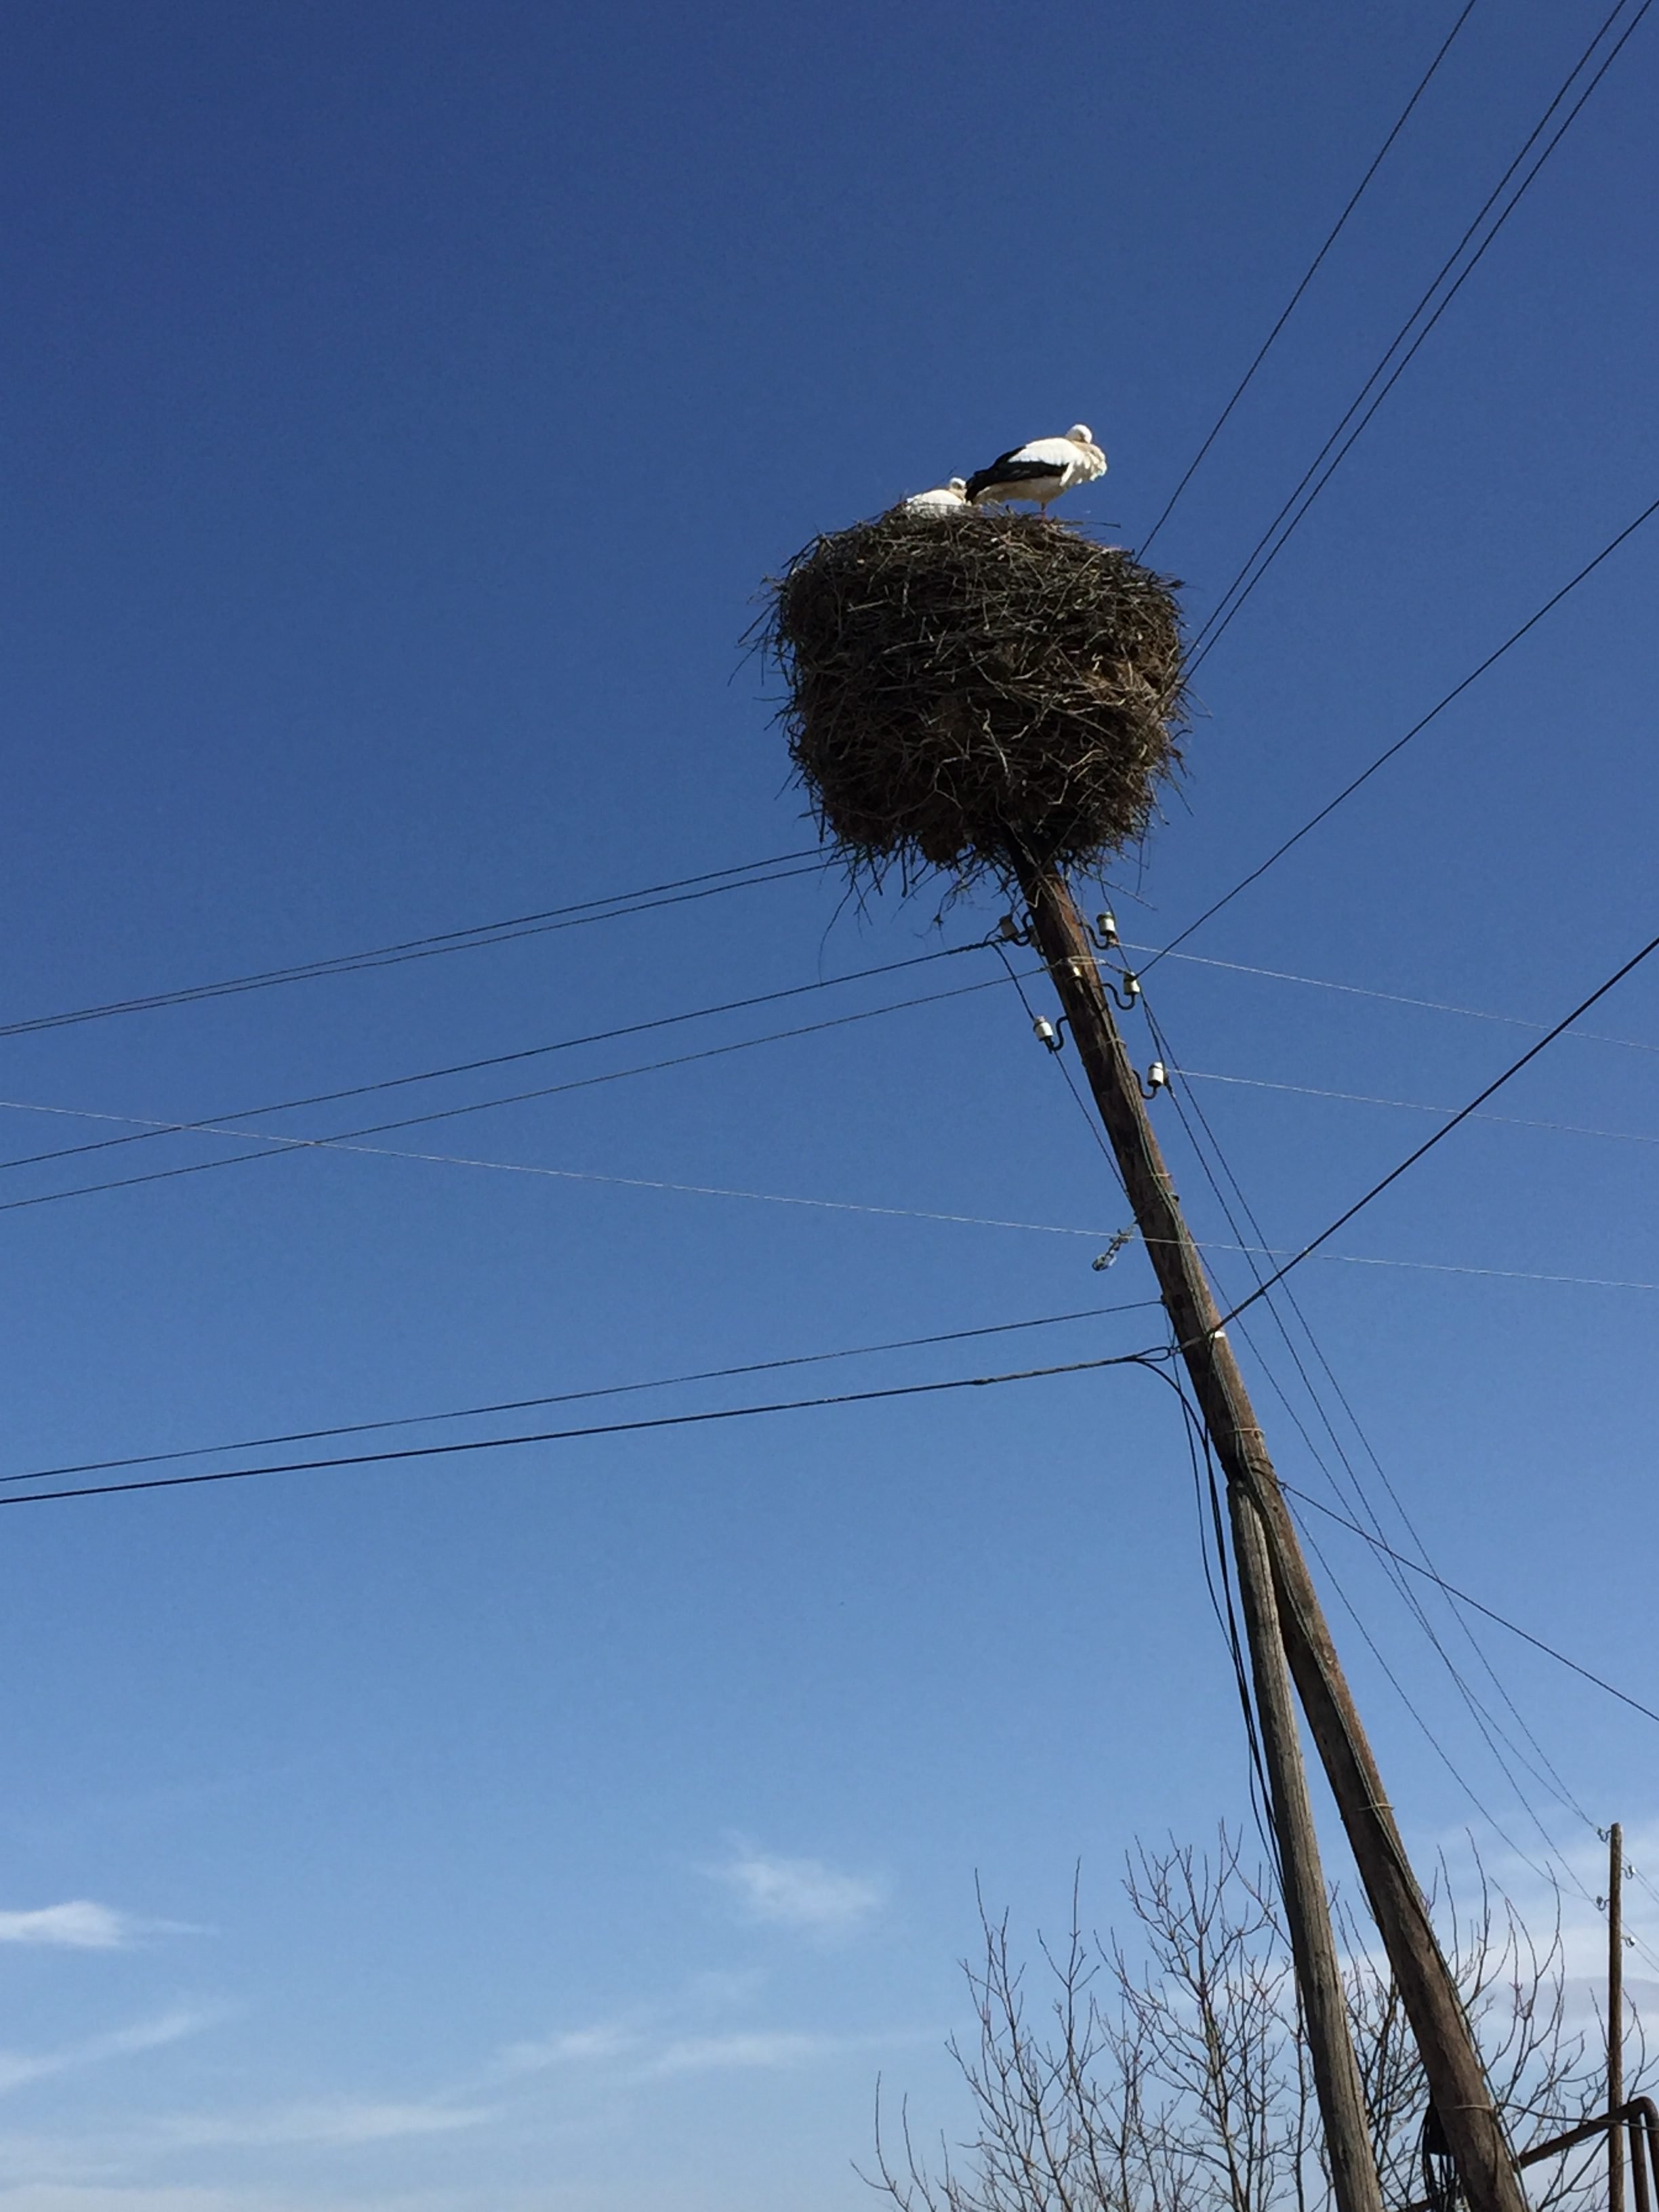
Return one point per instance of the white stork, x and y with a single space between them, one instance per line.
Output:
1042 470
941 499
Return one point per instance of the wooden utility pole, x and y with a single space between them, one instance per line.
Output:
1615 2017
1285 1620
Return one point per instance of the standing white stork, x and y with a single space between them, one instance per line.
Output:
1042 470
939 501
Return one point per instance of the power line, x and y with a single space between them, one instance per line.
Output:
570 1397
1239 590
1475 1604
1491 1729
1399 743
1152 1357
277 1145
1312 269
1386 998
1417 1106
1094 1234
472 1067
1440 1135
479 935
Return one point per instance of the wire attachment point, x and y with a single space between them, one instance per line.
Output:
1010 932
1128 996
1157 1079
1049 1033
1104 1260
1104 935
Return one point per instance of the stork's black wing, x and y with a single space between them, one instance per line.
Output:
1009 469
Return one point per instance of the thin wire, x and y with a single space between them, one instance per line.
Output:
1487 1723
1219 1582
1219 621
471 1067
1312 270
569 1397
1441 1134
1058 1059
1399 744
1417 1106
1152 1357
1477 1605
480 934
278 1145
1496 1737
1387 998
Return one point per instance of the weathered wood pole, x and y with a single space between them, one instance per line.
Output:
1615 2017
1285 1620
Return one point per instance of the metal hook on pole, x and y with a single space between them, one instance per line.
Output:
1102 932
1049 1033
1129 998
1009 931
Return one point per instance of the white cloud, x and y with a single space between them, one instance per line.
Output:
577 2047
701 2054
798 1893
340 2122
82 1925
18 2067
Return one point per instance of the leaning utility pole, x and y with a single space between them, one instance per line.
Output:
1616 2017
1285 1621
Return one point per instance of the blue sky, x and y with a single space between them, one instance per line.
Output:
404 405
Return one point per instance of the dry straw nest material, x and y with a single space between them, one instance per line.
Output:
976 691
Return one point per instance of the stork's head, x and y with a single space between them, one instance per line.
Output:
959 485
1081 435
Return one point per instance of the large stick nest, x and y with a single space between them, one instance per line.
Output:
969 689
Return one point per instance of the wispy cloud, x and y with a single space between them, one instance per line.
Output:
82 1925
703 2054
802 1893
332 2122
577 2047
18 2067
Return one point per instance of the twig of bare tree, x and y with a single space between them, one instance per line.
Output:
1175 2077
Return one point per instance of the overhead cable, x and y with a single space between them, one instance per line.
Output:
472 1067
479 936
1386 998
1311 272
1440 1135
1399 743
571 1397
1417 1106
1256 566
276 1145
1151 1357
1475 1604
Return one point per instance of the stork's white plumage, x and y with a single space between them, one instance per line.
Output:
1042 470
940 500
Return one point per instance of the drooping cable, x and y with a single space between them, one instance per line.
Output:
479 936
1311 272
1440 1135
1319 472
1399 743
474 1066
572 1397
1152 1358
276 1145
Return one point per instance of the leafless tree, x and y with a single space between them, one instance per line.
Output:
1172 2075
